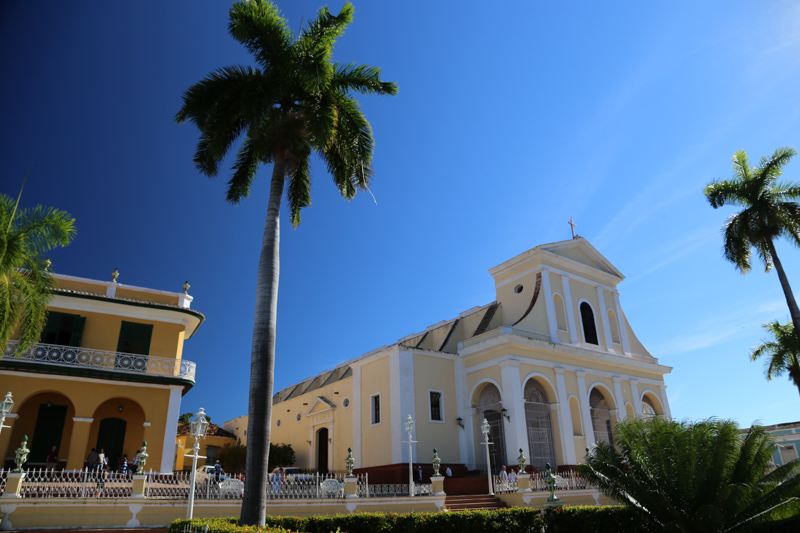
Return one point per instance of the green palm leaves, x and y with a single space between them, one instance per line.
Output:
695 477
25 283
294 102
782 352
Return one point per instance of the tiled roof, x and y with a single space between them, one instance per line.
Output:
213 430
68 292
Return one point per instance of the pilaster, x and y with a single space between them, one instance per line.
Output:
665 402
607 340
637 402
513 402
586 415
79 442
355 405
465 452
564 419
549 307
401 402
569 309
171 427
619 400
623 331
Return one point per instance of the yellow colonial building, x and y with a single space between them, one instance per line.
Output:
109 373
552 364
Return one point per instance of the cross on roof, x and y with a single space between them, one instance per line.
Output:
572 224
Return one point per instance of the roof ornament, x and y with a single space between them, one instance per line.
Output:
186 288
572 224
114 275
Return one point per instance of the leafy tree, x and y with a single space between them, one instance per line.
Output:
280 455
25 282
770 211
187 417
295 101
783 351
695 477
233 457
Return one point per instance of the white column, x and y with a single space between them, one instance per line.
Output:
623 330
607 342
465 452
569 310
586 415
637 402
514 403
564 419
311 447
622 413
171 429
665 403
401 402
355 405
549 307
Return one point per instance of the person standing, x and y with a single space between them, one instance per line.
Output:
92 460
217 471
124 465
419 474
52 458
102 460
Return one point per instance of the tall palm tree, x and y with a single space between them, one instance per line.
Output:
783 351
25 282
295 101
695 477
770 211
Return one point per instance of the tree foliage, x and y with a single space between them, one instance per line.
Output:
782 352
281 455
25 280
695 477
233 457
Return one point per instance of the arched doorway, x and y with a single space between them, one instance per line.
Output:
111 439
322 451
601 417
539 425
46 418
489 406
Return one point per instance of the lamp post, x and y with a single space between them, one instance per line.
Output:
485 430
5 408
410 430
197 429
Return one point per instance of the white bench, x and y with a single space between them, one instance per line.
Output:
330 488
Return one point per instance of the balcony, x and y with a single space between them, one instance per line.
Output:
100 360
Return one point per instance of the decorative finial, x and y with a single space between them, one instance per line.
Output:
143 455
114 275
550 483
186 288
349 463
436 462
521 461
47 264
572 224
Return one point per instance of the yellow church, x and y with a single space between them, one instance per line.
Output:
552 364
109 373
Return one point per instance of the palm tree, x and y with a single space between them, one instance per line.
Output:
783 351
25 282
695 477
295 101
770 211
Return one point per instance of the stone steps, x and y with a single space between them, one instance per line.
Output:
473 502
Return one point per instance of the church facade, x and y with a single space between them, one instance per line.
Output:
552 365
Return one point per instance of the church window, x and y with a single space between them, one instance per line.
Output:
612 322
346 403
648 409
436 407
589 327
376 409
601 417
299 416
561 315
538 425
518 289
277 424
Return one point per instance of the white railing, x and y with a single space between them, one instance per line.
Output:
125 363
43 483
564 481
3 476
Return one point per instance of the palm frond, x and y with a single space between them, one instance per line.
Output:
736 245
259 26
363 79
298 190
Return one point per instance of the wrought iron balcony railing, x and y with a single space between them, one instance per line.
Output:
87 358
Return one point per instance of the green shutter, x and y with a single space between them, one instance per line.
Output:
77 331
135 338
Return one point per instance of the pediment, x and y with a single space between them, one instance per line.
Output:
319 405
580 251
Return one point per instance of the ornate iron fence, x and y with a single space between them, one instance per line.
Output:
564 481
43 483
126 363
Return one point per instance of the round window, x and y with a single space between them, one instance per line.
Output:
518 289
346 403
277 424
298 417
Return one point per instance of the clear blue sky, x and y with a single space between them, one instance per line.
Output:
512 117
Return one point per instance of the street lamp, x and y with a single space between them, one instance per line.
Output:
485 430
410 430
197 429
5 408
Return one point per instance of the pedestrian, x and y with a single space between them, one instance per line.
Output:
52 458
92 460
217 471
102 461
512 476
135 462
419 474
124 465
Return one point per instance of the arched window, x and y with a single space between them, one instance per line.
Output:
561 315
489 406
539 426
587 320
601 417
612 321
648 409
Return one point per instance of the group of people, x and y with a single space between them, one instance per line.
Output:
510 476
99 462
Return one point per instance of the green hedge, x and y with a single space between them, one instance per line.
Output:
516 520
590 519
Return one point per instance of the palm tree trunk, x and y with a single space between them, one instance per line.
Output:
794 312
262 358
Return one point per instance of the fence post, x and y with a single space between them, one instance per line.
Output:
83 486
14 485
366 482
316 478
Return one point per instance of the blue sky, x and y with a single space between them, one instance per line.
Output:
511 118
